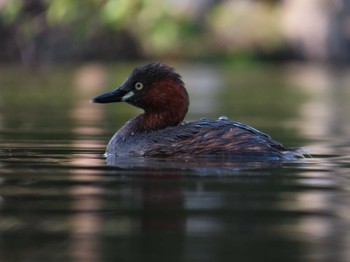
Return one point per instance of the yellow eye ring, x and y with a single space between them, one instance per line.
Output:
138 86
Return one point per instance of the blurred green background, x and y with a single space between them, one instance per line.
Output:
46 31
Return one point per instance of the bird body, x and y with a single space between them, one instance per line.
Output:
160 132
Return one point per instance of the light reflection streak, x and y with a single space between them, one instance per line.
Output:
324 114
203 84
86 222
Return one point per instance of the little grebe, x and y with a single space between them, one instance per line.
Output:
160 132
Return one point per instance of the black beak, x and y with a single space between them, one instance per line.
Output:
116 95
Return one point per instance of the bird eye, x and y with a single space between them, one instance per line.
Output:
138 86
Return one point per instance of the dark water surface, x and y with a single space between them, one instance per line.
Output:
60 201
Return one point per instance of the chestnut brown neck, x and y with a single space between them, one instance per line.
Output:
165 104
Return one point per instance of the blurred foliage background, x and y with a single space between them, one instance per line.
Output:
42 31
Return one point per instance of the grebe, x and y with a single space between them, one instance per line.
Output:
159 131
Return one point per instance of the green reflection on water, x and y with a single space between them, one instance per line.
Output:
45 99
36 100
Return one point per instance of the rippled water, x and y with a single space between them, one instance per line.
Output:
61 200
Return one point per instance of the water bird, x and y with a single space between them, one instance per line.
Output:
160 131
